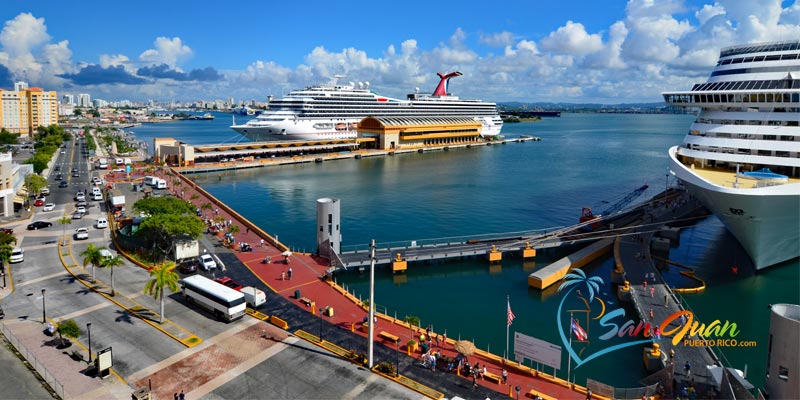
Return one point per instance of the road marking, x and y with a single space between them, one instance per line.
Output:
360 387
88 310
242 325
236 371
41 278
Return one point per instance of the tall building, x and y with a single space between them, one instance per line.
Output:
25 109
68 99
84 100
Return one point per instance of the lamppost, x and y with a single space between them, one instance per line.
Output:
44 313
89 329
320 325
397 358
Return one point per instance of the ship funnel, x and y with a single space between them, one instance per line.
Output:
360 85
366 85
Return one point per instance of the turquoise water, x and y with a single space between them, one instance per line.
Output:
583 160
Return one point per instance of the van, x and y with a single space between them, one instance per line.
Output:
96 190
150 180
102 223
97 196
106 254
253 297
161 184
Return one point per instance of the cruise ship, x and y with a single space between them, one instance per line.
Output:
741 156
333 111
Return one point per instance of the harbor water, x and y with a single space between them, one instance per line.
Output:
583 160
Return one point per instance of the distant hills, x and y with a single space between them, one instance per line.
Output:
643 108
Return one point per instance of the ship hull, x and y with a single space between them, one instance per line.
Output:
765 221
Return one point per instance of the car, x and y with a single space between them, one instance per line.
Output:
102 223
207 262
57 168
45 191
228 282
77 215
81 233
74 170
75 174
81 203
49 207
17 255
81 210
9 231
38 203
63 152
39 225
59 177
80 197
189 265
62 184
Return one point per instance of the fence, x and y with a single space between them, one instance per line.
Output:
33 362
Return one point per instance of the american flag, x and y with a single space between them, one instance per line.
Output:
509 315
580 334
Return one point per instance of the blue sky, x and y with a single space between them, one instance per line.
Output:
563 51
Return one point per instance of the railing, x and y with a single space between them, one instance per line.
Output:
45 375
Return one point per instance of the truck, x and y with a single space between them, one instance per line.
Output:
117 199
184 249
160 183
253 297
150 180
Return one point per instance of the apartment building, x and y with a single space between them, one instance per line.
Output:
24 109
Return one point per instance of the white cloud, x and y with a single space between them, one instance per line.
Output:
708 11
167 51
23 34
572 39
500 39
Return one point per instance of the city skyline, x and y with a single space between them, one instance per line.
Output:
575 52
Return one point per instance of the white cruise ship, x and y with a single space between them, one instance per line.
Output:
333 111
741 156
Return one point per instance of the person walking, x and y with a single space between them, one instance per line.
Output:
652 292
651 314
666 300
289 273
262 242
687 368
505 376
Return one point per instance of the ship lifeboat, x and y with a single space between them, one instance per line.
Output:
341 126
353 125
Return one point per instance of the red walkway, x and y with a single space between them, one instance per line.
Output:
306 277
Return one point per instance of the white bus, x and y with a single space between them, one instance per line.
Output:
226 304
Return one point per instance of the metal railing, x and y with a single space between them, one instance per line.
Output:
33 362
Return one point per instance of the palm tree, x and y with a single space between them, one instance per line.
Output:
194 197
161 276
111 263
64 221
412 321
92 255
233 230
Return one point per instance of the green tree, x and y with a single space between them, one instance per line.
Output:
35 183
161 230
194 197
92 255
160 277
110 263
7 241
7 137
68 328
412 321
163 205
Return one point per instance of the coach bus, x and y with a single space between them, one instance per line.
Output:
225 303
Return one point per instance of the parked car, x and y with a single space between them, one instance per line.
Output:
45 191
228 282
39 225
81 233
189 265
49 207
17 255
207 262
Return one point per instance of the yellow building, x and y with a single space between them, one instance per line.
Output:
25 109
387 133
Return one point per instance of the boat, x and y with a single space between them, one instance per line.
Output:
244 110
204 117
333 111
741 156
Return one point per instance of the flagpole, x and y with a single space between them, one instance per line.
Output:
569 357
508 305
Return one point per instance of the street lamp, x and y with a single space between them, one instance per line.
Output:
44 313
89 329
320 325
397 358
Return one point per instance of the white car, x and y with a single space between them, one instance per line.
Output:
17 255
49 207
207 262
81 233
102 223
81 210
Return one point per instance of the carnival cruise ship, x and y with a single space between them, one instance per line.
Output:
332 111
741 156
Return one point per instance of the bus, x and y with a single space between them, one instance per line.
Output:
225 303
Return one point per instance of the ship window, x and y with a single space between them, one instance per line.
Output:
750 84
774 57
725 62
759 58
737 61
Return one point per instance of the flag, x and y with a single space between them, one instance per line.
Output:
580 334
509 315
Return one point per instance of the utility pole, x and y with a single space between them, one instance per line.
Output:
371 322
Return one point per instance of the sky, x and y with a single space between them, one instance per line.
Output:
585 51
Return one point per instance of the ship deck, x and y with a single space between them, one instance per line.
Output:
726 178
